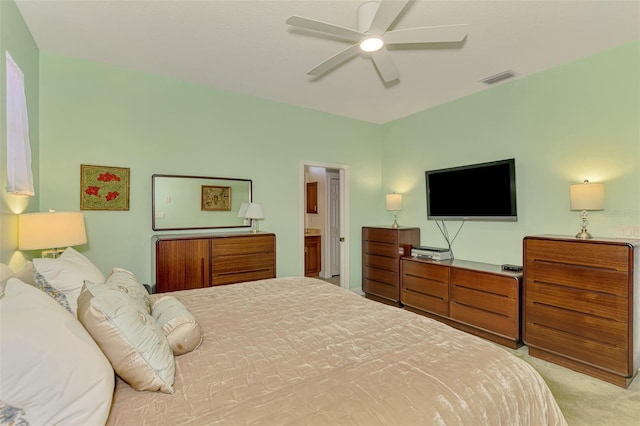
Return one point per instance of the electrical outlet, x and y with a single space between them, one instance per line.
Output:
627 231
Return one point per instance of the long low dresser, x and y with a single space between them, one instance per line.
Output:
478 298
190 261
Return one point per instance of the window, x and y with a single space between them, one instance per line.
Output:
19 174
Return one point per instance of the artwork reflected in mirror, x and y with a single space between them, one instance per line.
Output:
198 202
215 198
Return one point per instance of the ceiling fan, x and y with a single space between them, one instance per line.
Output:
374 20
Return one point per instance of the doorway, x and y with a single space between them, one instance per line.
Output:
332 218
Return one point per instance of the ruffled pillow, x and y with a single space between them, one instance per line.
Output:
129 337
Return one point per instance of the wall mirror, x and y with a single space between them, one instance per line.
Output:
197 202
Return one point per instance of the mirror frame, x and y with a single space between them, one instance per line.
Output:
153 201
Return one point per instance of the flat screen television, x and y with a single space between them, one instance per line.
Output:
484 191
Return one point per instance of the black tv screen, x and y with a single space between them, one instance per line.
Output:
485 191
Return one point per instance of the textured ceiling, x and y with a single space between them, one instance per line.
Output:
245 46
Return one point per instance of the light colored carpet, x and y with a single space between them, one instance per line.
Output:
585 400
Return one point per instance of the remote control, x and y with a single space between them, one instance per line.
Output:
512 268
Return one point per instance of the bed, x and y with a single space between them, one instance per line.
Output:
279 351
302 351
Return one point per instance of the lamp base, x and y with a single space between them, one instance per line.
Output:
584 235
395 220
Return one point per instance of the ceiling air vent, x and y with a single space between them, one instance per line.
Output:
498 77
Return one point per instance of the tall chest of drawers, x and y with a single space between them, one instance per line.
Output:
382 248
581 301
185 262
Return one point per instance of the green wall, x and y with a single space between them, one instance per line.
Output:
574 122
16 39
95 114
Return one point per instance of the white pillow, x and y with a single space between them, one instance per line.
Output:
178 324
67 273
128 336
50 367
24 275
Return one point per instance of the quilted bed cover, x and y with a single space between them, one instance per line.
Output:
299 351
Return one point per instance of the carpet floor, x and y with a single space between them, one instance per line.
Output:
585 400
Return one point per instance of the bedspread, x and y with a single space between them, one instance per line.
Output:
301 351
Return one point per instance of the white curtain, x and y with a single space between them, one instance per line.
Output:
19 175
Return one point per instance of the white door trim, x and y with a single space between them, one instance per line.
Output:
344 213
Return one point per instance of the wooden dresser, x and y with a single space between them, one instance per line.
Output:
190 261
382 248
579 298
478 298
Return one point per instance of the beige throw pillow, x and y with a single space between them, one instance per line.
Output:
129 337
178 324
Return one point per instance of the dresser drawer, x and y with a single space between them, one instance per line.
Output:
569 299
381 249
380 235
230 246
430 271
590 351
589 254
580 277
242 267
380 262
427 295
380 288
425 286
508 287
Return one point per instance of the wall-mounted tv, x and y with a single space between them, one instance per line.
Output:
484 191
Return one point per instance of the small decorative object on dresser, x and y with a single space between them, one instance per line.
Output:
382 248
579 304
191 261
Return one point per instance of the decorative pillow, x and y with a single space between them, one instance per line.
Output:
178 324
67 273
128 283
57 295
129 337
12 416
50 367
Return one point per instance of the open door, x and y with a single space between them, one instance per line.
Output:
331 218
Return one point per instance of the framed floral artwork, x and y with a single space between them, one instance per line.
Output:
104 188
215 198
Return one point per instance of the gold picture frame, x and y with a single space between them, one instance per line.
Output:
215 198
104 188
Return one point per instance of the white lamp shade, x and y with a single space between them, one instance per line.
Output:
50 230
394 202
243 210
587 196
254 211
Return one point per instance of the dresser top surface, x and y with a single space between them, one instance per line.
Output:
572 239
209 235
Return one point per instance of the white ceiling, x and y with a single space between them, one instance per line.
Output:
245 46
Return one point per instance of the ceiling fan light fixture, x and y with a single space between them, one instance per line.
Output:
371 44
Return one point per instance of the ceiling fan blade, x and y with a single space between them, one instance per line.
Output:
312 24
386 67
438 34
387 12
335 60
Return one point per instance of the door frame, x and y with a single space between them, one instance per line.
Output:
344 213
